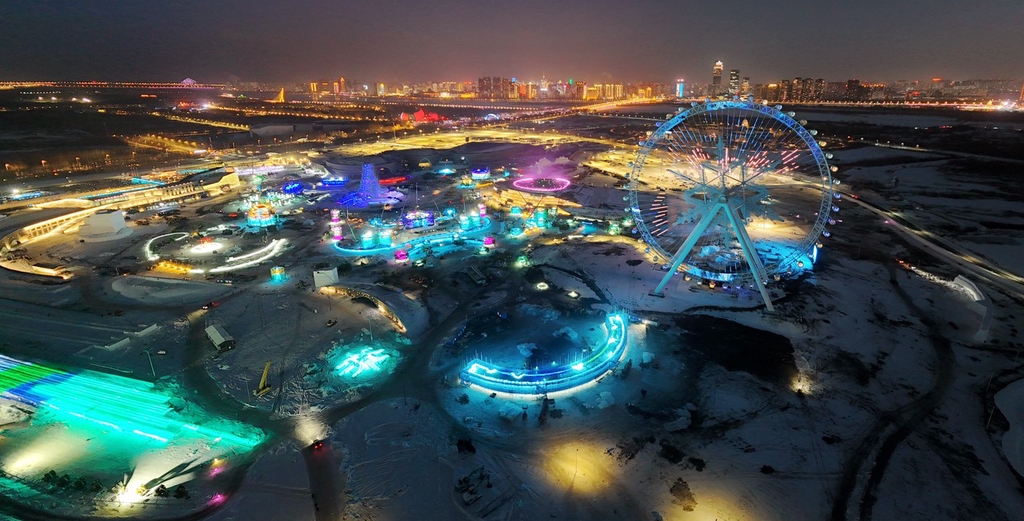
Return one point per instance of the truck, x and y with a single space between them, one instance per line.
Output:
220 338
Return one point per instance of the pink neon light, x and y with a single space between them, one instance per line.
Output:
541 184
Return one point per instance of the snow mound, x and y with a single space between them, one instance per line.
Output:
545 314
680 424
12 412
1009 401
161 291
526 349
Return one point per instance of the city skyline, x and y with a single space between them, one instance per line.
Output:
390 41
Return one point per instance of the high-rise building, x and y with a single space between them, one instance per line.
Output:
716 78
483 87
680 88
745 86
785 90
341 84
818 89
834 91
796 90
771 92
497 88
734 82
853 90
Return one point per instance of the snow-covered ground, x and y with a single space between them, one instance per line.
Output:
165 291
874 399
275 487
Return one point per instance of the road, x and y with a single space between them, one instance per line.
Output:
947 250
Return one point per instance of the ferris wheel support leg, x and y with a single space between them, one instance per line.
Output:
750 253
684 250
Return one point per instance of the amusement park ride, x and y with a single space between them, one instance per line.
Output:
704 176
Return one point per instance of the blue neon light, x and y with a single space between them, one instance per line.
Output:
558 378
333 181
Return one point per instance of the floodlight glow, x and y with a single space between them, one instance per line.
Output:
206 247
253 258
557 378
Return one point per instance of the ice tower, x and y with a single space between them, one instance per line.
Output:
369 185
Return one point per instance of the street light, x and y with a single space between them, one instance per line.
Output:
150 356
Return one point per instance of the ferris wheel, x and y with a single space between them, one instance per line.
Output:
732 191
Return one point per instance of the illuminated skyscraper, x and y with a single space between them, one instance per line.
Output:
745 86
797 89
734 82
680 88
716 78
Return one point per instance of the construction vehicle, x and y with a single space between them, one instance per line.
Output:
264 386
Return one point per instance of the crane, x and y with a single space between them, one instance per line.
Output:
264 386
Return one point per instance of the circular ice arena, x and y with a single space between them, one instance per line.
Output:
574 374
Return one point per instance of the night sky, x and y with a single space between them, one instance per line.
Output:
594 40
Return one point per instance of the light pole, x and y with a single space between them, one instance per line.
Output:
150 356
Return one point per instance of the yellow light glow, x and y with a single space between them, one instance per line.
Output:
802 384
45 452
130 497
308 428
579 467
